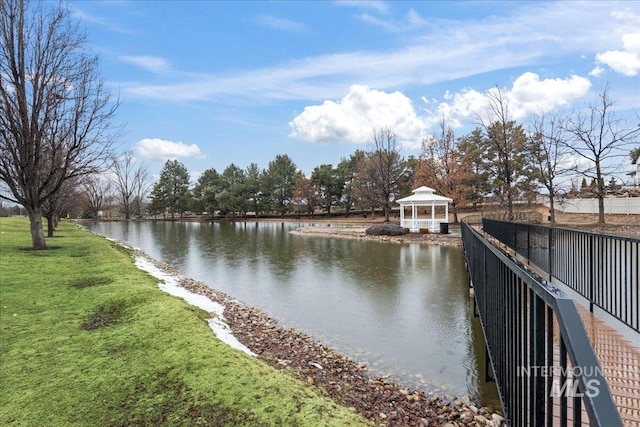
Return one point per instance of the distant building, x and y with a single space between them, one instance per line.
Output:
635 173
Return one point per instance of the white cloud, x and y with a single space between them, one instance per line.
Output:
414 18
150 63
596 71
528 95
387 25
411 22
377 5
438 51
626 61
110 25
357 115
161 149
458 106
194 176
280 24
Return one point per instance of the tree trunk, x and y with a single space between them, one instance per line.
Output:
600 193
509 206
600 189
600 208
50 227
552 209
37 233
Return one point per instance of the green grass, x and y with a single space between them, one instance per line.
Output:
87 339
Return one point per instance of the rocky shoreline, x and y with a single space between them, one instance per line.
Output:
359 233
381 401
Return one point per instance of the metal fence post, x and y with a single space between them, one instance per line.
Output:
592 275
550 244
528 245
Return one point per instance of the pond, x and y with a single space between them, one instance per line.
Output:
403 309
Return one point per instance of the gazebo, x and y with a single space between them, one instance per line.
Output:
423 197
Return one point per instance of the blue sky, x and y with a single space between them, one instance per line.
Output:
213 82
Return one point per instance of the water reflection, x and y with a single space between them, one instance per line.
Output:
402 309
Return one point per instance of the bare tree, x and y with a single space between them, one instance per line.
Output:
599 135
142 186
305 195
546 145
55 113
62 202
444 168
505 142
95 192
130 182
381 171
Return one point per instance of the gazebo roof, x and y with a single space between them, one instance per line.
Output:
424 195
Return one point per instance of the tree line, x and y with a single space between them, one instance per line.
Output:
57 140
366 180
500 158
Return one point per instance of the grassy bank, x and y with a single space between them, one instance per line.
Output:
87 339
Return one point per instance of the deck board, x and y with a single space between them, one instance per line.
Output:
620 362
619 358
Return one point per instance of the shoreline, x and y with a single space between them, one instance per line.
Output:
359 233
380 400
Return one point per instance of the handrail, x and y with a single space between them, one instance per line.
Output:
604 269
541 356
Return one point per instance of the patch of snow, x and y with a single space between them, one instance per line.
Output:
224 334
170 286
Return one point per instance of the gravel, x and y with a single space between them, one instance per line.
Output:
383 402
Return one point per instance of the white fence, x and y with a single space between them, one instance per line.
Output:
414 225
612 205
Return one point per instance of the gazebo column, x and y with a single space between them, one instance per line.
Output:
446 212
433 216
402 216
413 217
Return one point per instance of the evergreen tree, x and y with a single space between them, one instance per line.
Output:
505 142
205 191
279 182
473 156
253 177
346 171
232 197
328 185
171 192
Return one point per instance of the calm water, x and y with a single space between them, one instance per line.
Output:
404 309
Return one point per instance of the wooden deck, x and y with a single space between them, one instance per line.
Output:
620 362
619 358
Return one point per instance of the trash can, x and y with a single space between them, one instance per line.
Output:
444 228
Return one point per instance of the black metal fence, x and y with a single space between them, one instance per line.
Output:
602 268
545 368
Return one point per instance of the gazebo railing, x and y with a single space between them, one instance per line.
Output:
416 224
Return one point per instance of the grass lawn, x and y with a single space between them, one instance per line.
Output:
87 339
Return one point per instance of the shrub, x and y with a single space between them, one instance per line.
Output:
386 229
